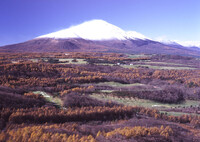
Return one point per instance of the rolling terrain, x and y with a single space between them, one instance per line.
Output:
76 96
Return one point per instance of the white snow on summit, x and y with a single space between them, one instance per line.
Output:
135 35
95 30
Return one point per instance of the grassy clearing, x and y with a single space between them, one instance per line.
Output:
144 103
106 91
34 60
157 67
148 103
125 101
49 98
116 84
145 64
104 64
69 61
137 55
176 113
165 63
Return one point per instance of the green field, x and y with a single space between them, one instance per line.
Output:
69 61
105 64
157 67
177 113
146 103
137 55
116 84
55 100
165 63
34 60
106 91
161 65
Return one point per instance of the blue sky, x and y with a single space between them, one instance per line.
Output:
22 20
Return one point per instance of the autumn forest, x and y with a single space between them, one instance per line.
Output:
91 97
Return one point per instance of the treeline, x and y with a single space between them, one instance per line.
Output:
168 94
42 133
138 131
87 89
28 70
44 114
79 100
98 113
10 100
193 120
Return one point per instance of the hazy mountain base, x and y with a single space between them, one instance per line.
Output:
111 46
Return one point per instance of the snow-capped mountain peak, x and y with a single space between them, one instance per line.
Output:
95 30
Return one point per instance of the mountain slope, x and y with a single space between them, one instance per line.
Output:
98 36
81 45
